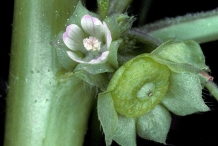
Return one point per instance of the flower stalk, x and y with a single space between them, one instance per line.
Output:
212 87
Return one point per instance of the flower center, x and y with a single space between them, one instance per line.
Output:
92 43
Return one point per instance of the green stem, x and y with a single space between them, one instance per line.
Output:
146 5
143 37
200 27
42 109
212 87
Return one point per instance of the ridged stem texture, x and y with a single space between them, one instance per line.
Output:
43 109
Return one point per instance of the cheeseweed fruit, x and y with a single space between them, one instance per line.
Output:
140 85
142 91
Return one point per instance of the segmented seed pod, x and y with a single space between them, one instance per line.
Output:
139 85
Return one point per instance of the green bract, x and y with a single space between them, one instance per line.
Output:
103 6
141 92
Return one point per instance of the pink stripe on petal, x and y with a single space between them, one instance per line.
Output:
73 37
71 44
64 35
75 32
101 59
107 35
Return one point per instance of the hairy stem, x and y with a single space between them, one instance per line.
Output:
143 37
43 109
201 27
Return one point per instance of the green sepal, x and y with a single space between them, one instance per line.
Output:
79 12
97 80
103 6
107 116
154 125
125 134
112 58
176 67
173 66
184 94
110 66
113 26
182 52
124 22
61 50
94 68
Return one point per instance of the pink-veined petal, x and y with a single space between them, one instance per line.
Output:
75 31
73 37
100 59
71 44
107 35
93 26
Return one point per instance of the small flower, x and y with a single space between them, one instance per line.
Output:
89 43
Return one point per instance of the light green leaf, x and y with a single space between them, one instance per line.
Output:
184 95
154 125
186 52
107 115
126 131
103 6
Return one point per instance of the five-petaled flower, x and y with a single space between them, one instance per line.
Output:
89 43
